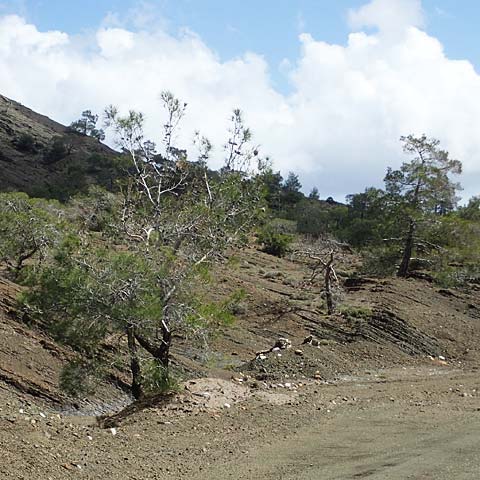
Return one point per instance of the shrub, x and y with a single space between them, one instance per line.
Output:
26 143
56 151
273 243
157 379
28 228
281 225
349 311
381 261
76 378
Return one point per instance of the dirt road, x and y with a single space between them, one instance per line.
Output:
379 442
417 422
380 445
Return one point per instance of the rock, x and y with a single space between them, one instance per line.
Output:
299 352
226 405
282 343
113 430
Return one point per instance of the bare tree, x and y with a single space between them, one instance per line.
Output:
321 258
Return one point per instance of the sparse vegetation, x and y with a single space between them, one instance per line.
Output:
171 221
125 259
26 143
57 150
28 229
274 243
87 125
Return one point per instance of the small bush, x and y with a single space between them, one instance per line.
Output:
273 243
76 378
349 311
29 227
281 225
382 261
56 151
26 143
157 379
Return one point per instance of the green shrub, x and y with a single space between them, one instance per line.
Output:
157 379
56 151
349 311
381 261
273 243
78 378
281 225
28 228
26 143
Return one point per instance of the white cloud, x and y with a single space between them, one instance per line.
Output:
339 128
115 42
388 16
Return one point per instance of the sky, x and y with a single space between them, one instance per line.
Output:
327 87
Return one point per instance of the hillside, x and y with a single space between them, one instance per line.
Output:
416 333
26 160
285 388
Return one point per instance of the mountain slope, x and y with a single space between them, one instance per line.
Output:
44 158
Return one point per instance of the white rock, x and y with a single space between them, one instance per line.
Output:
114 431
226 405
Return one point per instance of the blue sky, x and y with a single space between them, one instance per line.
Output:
267 27
327 86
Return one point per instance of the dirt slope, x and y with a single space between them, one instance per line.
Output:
28 171
387 385
382 323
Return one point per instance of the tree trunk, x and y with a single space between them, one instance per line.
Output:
407 251
328 286
135 368
161 353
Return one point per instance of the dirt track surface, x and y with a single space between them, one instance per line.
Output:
403 437
405 423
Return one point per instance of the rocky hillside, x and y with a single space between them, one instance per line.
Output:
44 158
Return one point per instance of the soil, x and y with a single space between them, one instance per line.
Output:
388 388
